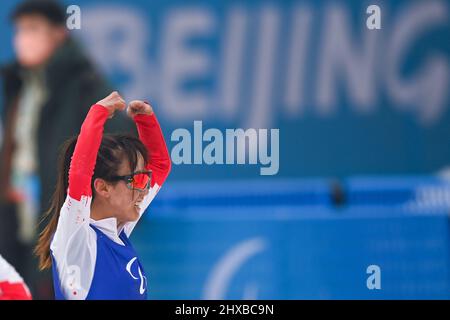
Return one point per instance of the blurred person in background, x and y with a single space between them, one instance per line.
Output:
47 91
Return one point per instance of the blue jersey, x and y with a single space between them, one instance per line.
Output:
118 274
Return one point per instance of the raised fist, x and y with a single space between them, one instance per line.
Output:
113 102
139 107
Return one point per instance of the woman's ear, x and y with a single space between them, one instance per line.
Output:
101 187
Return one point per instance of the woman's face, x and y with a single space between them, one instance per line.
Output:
124 201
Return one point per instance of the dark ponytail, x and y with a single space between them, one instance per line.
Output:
42 249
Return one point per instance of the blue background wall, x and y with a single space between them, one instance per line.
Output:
371 102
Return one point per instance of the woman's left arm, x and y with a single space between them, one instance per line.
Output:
159 160
152 137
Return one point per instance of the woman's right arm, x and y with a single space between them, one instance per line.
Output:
74 246
84 157
85 154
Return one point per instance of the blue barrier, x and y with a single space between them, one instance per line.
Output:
414 193
294 192
295 256
254 250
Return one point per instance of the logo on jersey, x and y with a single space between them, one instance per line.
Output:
141 277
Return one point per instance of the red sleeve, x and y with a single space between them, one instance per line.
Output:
85 154
14 291
151 136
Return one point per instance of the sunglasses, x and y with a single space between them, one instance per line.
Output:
139 180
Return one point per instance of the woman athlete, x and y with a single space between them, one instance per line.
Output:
104 185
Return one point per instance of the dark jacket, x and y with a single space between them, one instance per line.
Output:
73 85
